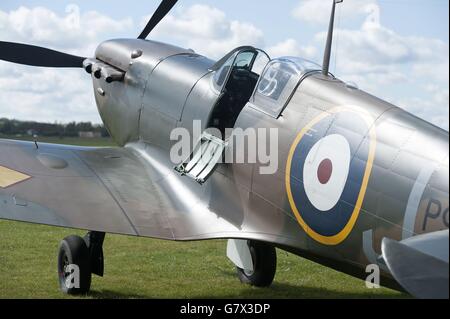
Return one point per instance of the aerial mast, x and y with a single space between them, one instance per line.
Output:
327 54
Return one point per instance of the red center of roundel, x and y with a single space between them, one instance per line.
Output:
324 171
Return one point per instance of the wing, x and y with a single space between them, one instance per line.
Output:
113 190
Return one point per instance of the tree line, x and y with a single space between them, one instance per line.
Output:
16 127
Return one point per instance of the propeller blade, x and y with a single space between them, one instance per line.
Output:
38 56
163 9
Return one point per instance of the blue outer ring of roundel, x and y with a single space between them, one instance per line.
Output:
355 129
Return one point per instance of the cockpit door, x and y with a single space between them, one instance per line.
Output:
239 64
234 82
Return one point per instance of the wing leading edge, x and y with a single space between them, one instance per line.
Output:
130 191
112 190
104 189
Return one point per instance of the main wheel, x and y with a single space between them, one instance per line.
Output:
264 258
74 270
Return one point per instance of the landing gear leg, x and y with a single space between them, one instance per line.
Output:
94 241
78 259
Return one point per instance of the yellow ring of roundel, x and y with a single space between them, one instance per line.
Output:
341 236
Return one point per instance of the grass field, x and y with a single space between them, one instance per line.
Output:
145 268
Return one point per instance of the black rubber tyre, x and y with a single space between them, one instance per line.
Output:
74 251
264 258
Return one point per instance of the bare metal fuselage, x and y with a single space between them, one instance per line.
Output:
168 87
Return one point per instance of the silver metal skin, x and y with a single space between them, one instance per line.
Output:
422 274
134 190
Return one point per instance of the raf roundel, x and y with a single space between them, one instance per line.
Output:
327 173
326 170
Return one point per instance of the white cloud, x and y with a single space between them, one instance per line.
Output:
291 47
377 58
46 95
376 47
197 21
66 95
318 11
52 94
434 110
75 31
435 70
373 56
208 31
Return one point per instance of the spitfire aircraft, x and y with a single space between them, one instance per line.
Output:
360 182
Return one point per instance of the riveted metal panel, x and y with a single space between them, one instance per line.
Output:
168 87
171 82
152 52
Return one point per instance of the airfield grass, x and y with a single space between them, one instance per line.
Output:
145 268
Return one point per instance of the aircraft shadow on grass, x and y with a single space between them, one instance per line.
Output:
277 291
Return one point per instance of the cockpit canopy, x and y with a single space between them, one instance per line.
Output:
275 81
248 75
278 82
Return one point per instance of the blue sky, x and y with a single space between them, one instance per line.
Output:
419 17
428 18
395 49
